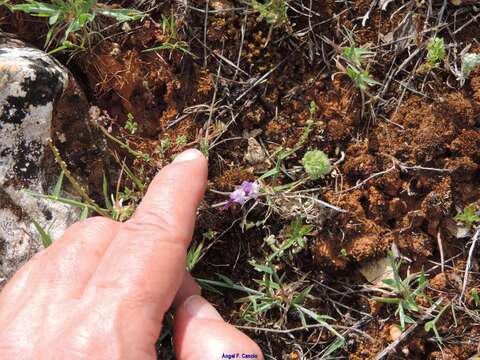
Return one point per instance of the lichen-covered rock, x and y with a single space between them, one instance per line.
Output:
32 87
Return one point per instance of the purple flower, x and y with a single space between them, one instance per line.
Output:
246 191
239 196
251 189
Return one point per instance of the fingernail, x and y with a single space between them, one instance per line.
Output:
198 307
188 155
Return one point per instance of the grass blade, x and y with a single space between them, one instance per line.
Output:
44 236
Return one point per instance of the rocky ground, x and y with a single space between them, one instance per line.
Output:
380 87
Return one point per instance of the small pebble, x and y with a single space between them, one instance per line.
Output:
395 332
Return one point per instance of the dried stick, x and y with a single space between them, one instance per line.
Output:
469 261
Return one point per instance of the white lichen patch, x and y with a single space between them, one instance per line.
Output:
30 83
18 246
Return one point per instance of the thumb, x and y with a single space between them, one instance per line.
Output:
200 332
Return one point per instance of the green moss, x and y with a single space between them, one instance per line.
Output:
316 164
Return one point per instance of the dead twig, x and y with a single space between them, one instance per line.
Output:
440 248
469 261
363 182
320 202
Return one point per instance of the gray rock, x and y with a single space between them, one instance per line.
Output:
32 87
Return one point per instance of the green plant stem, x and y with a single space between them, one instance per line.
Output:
76 185
137 154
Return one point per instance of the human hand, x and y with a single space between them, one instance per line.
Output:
101 291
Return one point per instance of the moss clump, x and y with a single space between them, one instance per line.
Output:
316 164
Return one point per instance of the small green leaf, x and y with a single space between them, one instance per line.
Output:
54 18
356 55
436 51
193 255
121 15
476 297
108 203
300 298
84 214
401 314
164 24
321 319
225 279
391 283
208 287
58 185
429 325
468 216
36 8
386 300
337 344
44 236
49 35
274 12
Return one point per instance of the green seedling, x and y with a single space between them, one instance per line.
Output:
121 209
165 144
131 125
361 78
195 253
204 147
476 297
72 17
312 110
275 295
435 52
124 202
404 293
274 12
356 56
469 216
316 164
162 148
432 324
296 240
172 42
181 140
209 234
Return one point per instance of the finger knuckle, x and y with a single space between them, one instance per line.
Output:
157 226
98 222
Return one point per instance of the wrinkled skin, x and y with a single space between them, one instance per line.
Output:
101 291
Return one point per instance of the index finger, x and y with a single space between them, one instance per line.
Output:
145 262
